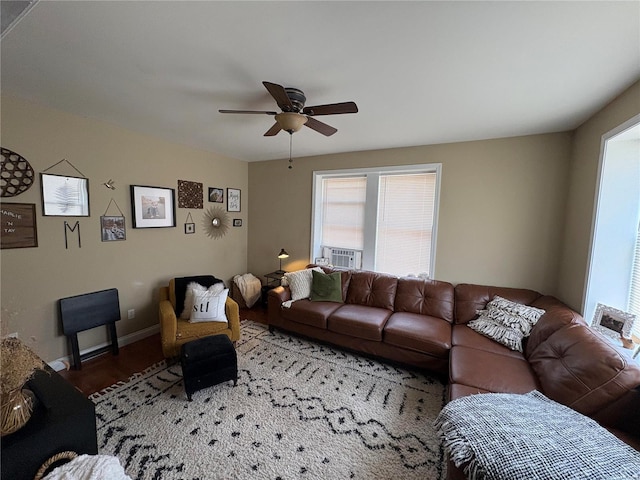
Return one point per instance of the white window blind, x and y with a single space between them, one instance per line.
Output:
634 290
343 211
406 206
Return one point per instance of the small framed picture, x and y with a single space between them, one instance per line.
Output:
64 196
216 195
233 199
112 228
189 228
612 322
237 222
153 207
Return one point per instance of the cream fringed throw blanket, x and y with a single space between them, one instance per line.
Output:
250 288
510 436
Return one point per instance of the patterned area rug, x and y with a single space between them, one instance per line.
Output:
300 410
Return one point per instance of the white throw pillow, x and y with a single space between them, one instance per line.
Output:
209 306
300 283
192 288
506 322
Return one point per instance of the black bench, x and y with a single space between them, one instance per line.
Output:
208 361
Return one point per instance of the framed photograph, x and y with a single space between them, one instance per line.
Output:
64 196
233 199
18 225
189 228
112 228
237 222
216 195
612 322
153 207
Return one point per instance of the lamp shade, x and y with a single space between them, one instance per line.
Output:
291 121
283 254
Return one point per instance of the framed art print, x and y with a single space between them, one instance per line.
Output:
612 322
216 195
64 196
112 228
237 222
153 207
233 199
189 228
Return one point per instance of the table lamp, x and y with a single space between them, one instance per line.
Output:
281 255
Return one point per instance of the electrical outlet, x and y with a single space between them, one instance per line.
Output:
131 313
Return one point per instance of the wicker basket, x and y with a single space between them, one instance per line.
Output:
237 296
68 455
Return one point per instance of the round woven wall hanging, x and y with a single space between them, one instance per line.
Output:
16 175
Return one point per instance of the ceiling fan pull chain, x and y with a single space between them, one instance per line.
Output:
290 147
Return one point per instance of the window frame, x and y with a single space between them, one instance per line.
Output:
371 209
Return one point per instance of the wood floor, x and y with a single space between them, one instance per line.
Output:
103 371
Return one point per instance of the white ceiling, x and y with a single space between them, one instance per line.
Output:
420 72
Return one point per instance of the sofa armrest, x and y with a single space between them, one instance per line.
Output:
233 317
281 294
168 327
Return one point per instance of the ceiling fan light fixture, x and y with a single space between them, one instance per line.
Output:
290 121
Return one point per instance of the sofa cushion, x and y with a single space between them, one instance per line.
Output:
300 283
577 367
372 289
470 298
491 371
506 322
426 297
457 390
359 321
556 316
419 332
178 288
310 313
326 287
464 336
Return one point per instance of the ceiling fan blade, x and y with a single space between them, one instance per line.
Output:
320 127
280 96
331 109
248 111
273 130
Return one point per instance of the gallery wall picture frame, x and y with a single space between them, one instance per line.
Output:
237 222
112 228
64 196
189 194
233 200
612 322
216 195
153 207
189 228
18 225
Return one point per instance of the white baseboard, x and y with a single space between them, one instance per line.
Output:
63 362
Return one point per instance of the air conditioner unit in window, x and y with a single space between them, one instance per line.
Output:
343 258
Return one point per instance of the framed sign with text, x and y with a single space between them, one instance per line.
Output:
18 225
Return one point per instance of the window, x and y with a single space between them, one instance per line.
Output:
614 266
386 217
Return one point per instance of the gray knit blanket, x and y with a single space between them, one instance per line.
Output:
510 436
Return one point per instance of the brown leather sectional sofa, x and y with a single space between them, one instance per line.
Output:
424 323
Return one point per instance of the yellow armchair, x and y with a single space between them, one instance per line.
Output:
175 332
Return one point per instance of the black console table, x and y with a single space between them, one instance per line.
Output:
63 419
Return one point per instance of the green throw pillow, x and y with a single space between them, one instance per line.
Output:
326 287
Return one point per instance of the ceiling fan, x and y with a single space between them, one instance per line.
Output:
294 114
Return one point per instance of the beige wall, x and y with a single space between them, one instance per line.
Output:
501 208
32 279
585 158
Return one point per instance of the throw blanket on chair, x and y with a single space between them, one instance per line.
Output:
510 436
